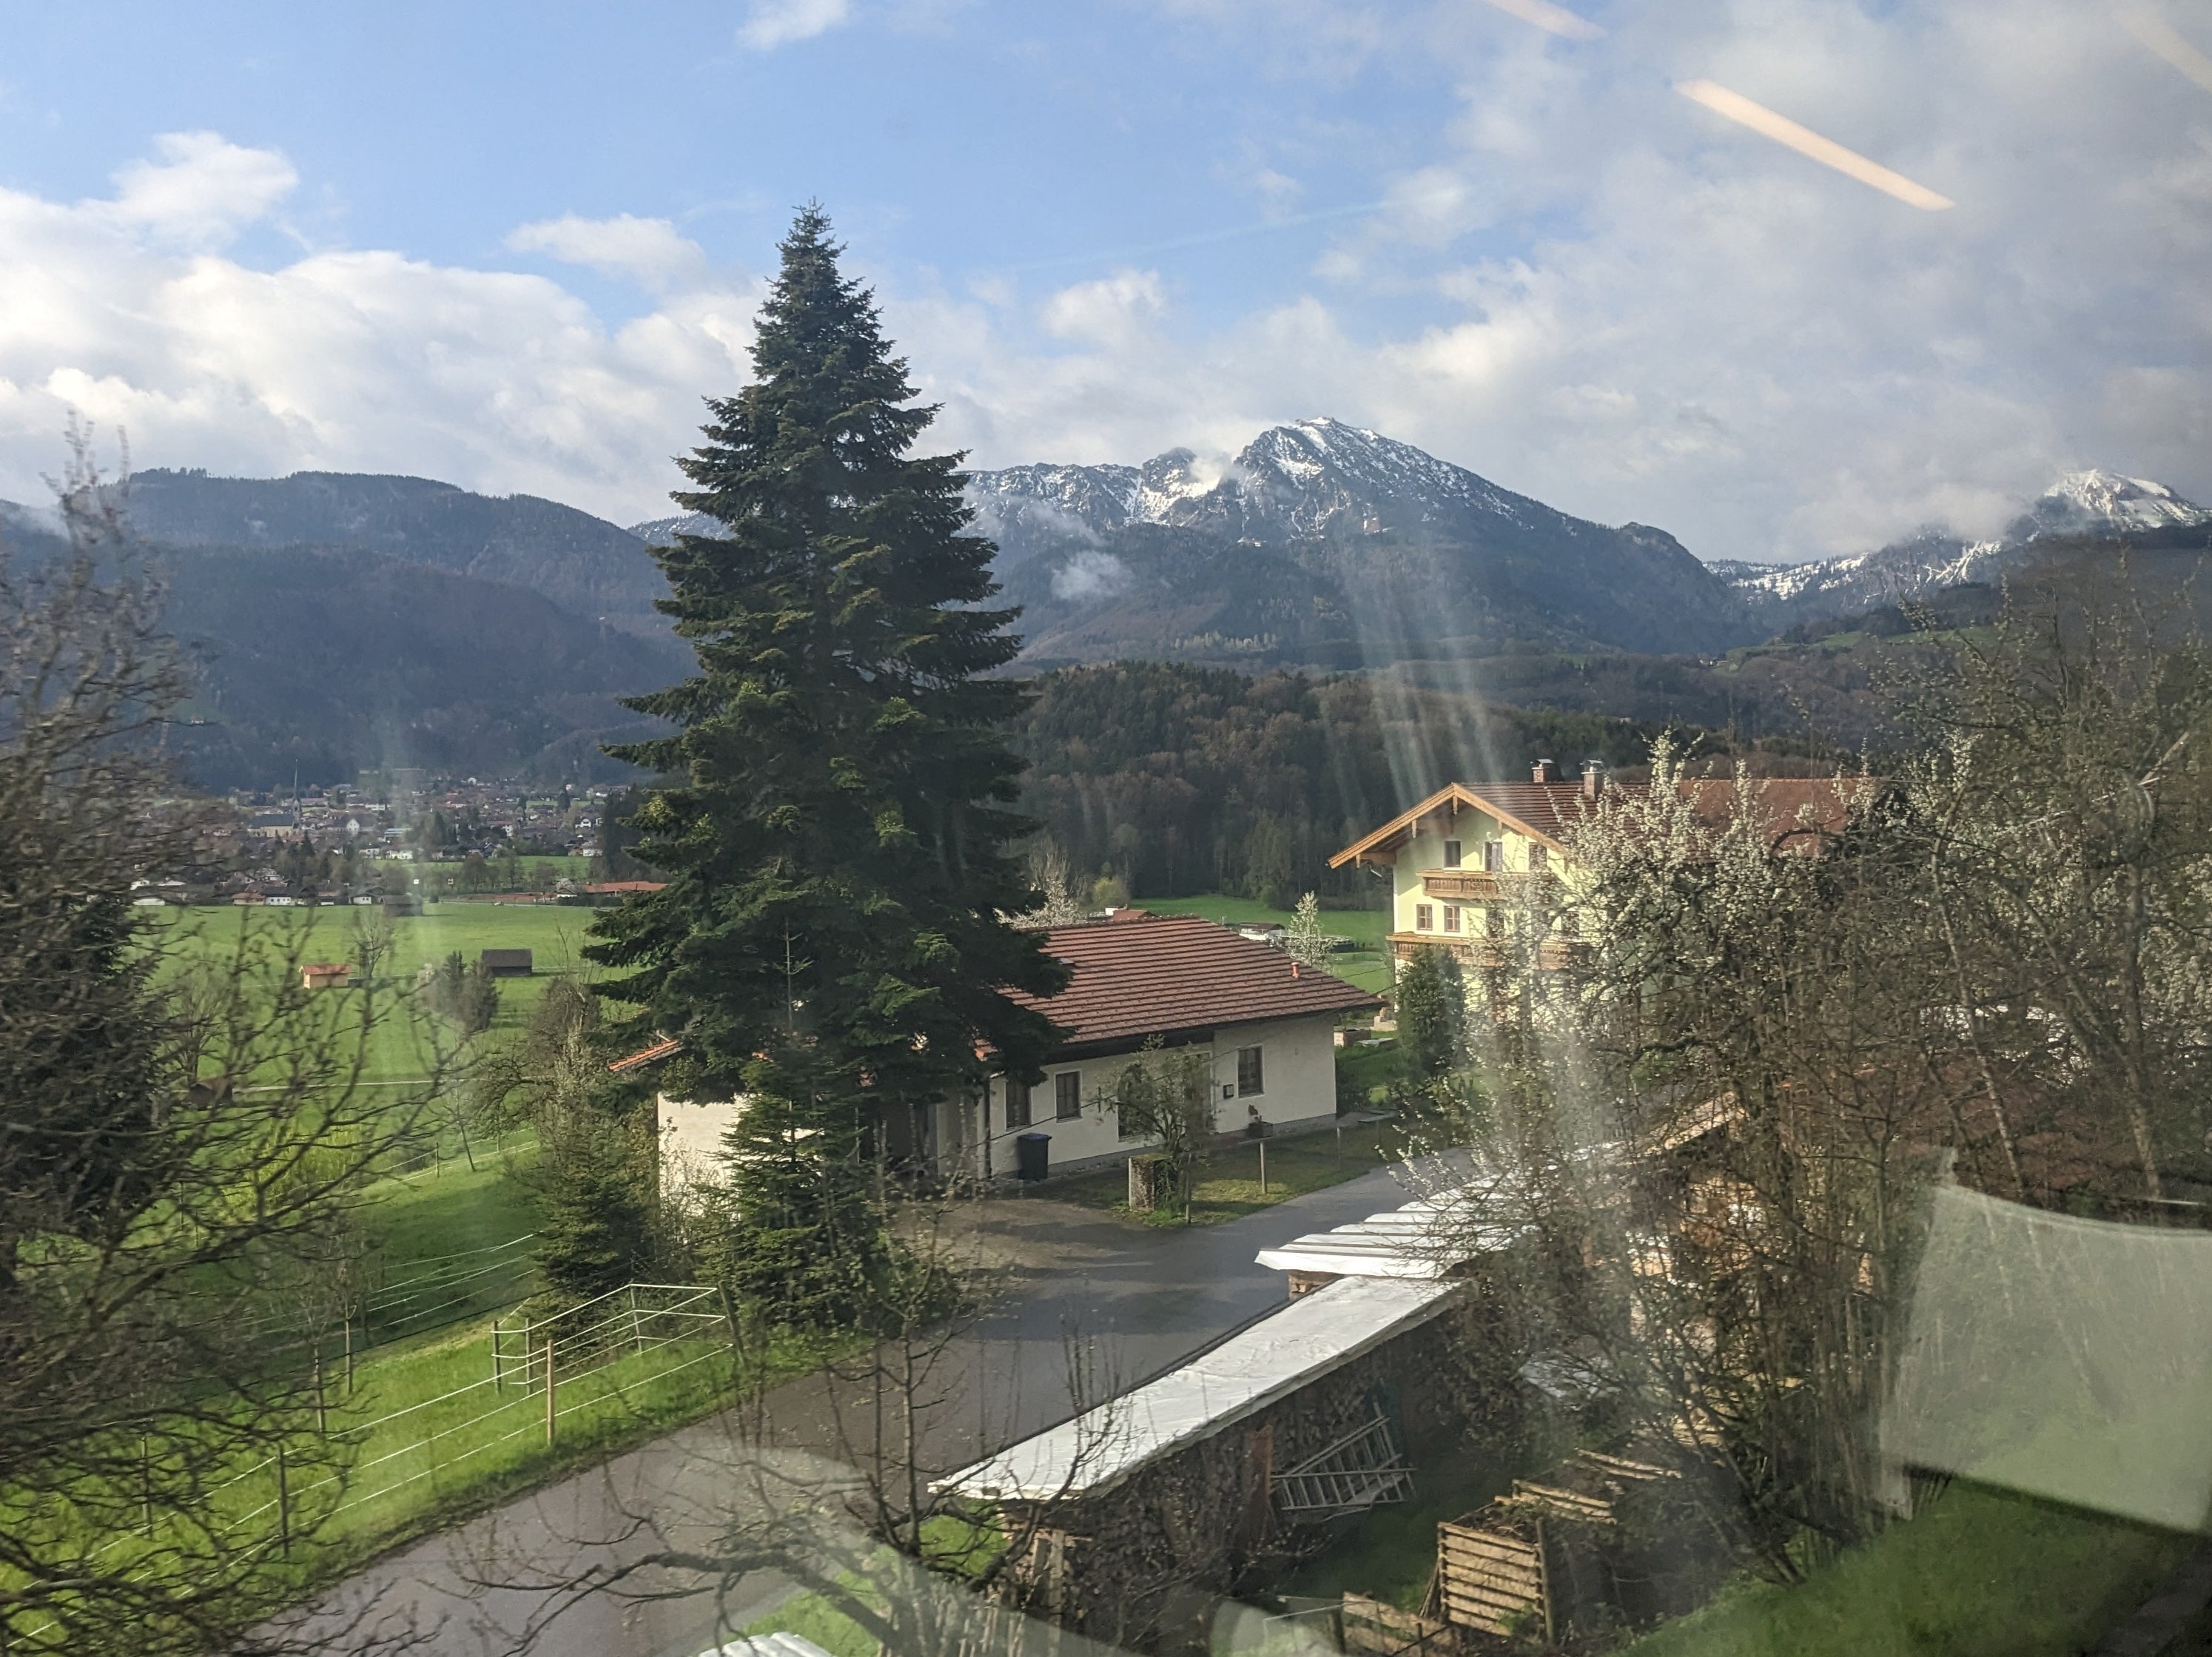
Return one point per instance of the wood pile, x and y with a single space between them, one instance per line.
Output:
1500 1572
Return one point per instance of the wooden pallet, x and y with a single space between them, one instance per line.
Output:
1491 1575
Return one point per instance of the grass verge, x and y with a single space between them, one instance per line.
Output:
1229 1184
1980 1572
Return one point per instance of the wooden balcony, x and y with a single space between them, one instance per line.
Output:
1471 951
1462 885
1486 885
1554 955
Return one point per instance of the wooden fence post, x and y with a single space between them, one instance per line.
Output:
348 1353
322 1414
549 1389
284 1505
737 1341
636 1335
146 1480
1263 1165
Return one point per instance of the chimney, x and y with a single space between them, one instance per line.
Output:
1546 772
1593 778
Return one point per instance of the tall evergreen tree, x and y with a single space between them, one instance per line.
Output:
837 843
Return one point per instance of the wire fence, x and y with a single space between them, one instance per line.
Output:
612 1357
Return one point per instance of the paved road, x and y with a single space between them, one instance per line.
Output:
1132 1301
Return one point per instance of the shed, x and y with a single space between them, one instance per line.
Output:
1289 1349
324 974
1188 1484
505 963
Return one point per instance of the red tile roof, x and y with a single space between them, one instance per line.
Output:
1139 975
630 1061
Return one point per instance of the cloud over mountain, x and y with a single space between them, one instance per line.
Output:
1576 279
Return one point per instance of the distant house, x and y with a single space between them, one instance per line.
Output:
324 974
505 963
1464 860
1266 1023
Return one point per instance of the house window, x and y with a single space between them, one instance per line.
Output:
1425 916
1018 1102
1451 917
1493 855
1067 1095
1538 857
1451 854
1249 1077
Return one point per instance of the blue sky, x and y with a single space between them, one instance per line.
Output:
512 245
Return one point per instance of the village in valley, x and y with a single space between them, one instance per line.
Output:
791 867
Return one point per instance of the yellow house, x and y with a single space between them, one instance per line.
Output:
1466 861
1466 858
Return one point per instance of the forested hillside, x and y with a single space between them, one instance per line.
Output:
1181 780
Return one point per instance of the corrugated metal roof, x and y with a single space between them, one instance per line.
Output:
1142 974
1309 1339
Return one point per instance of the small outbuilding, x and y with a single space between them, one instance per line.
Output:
324 974
505 963
1221 1467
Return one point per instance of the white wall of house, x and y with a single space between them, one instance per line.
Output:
692 1140
1298 1084
1297 1076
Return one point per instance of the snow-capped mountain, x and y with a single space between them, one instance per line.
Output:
1379 549
1291 482
2085 504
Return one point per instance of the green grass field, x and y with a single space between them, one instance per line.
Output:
554 934
1366 965
1980 1572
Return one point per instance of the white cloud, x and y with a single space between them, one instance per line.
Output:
201 191
1618 304
1115 310
359 360
650 251
1090 574
781 22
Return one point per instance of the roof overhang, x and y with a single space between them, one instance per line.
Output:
1382 846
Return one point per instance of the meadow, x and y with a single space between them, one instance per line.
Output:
554 933
1366 964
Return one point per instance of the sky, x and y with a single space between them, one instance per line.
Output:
1581 250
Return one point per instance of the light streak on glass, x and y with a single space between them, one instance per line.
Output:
1552 20
2160 37
1827 151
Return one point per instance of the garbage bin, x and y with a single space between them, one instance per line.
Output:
1032 1155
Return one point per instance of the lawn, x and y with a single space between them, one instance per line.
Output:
1980 1572
1229 1184
1366 964
553 933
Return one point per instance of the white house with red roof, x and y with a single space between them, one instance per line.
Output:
1267 1023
